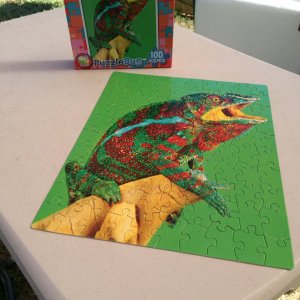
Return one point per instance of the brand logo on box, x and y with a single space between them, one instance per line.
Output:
84 61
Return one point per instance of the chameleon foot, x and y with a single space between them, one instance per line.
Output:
107 190
173 218
82 183
216 201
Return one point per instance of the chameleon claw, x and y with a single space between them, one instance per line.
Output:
114 199
217 186
224 211
118 196
107 190
218 203
222 187
173 218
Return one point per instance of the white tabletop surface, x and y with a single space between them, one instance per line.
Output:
44 105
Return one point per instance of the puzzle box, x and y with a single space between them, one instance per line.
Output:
121 34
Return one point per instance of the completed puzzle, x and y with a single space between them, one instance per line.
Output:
179 164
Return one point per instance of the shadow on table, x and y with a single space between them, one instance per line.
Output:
37 66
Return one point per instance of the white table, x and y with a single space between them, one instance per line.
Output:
44 105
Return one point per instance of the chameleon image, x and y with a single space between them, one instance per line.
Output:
167 138
112 19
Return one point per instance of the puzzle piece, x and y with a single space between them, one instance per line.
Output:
120 224
274 216
250 213
73 9
273 252
164 7
233 222
172 236
194 239
168 31
82 218
249 251
222 242
195 212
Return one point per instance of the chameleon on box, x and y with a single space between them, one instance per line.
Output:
121 34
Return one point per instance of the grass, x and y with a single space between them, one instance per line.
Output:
20 286
184 20
18 8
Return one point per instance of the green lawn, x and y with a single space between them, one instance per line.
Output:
18 8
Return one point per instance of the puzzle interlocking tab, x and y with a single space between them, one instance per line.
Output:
197 174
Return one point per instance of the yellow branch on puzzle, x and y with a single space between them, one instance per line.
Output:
145 205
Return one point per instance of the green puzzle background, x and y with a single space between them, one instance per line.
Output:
257 231
145 34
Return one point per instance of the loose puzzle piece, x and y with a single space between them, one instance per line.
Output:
198 174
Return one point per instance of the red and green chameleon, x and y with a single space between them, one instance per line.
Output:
112 18
167 138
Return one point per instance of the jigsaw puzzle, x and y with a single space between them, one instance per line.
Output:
180 164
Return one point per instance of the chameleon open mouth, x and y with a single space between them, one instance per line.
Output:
232 113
